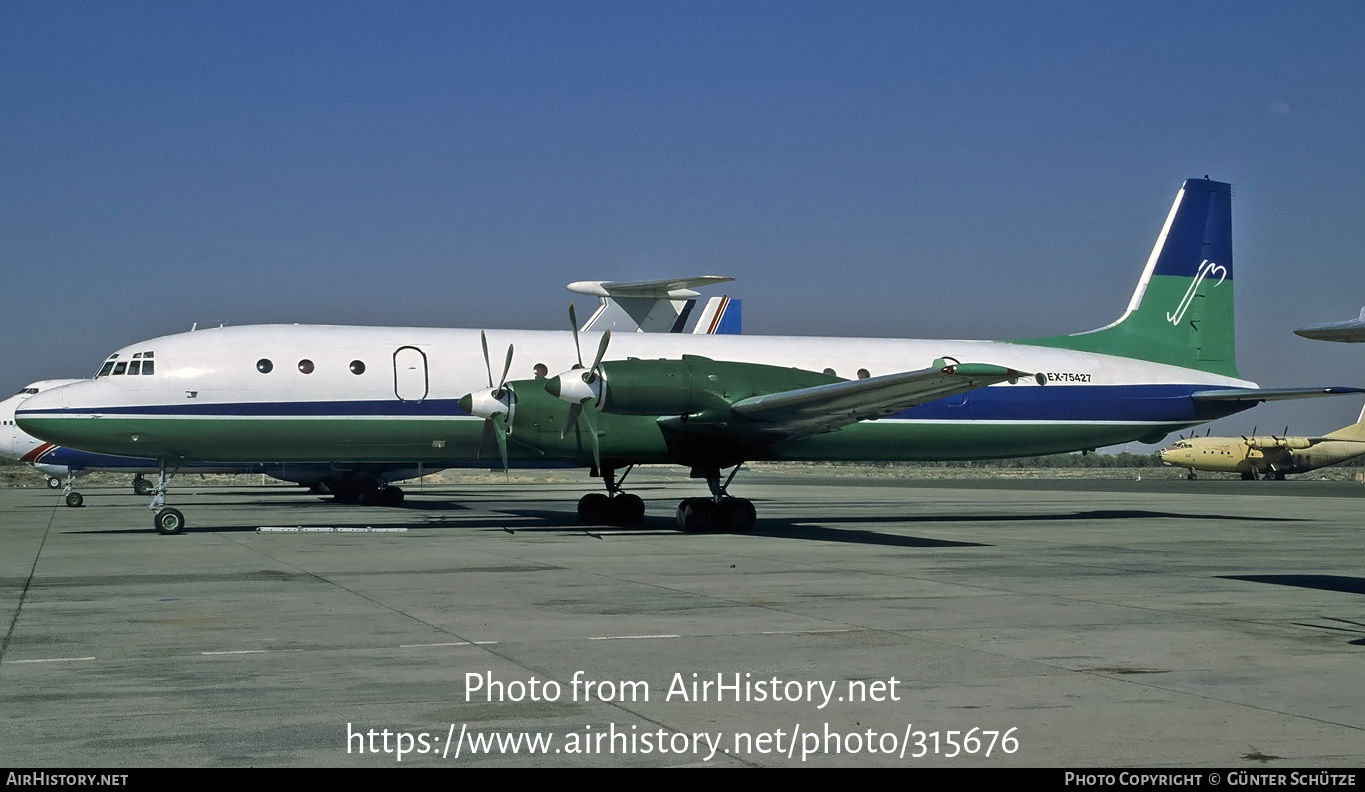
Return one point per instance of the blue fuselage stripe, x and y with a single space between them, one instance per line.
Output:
1062 403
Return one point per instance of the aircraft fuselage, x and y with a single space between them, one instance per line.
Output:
292 393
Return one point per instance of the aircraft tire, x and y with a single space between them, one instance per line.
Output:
738 515
390 496
368 496
54 483
74 499
627 509
169 522
594 508
1190 476
1248 477
142 486
698 515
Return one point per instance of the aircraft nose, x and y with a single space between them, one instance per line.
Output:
38 403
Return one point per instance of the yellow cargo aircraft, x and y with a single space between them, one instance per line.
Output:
1269 457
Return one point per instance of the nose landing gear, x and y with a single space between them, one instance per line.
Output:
167 521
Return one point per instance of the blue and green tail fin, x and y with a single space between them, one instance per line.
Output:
1181 312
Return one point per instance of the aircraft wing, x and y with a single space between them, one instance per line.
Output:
1294 443
1271 394
823 408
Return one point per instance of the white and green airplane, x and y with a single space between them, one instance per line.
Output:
288 393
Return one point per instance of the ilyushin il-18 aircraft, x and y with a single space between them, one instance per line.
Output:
1270 457
708 402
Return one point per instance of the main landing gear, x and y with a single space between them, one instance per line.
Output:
614 508
721 511
363 492
707 515
142 486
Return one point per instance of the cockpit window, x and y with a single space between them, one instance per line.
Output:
29 391
140 364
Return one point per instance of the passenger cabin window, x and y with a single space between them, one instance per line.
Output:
357 367
264 366
306 366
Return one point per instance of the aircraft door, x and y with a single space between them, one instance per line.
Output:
410 374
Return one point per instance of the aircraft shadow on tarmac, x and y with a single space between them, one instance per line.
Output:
811 527
1342 583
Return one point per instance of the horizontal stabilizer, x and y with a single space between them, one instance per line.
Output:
1271 394
1350 332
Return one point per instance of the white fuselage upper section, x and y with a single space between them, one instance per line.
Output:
318 362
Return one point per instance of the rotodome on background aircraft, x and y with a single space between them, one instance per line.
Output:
288 393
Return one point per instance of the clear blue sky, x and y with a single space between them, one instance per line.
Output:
974 170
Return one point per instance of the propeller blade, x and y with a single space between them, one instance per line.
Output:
506 367
601 352
499 423
574 410
483 339
573 323
590 413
